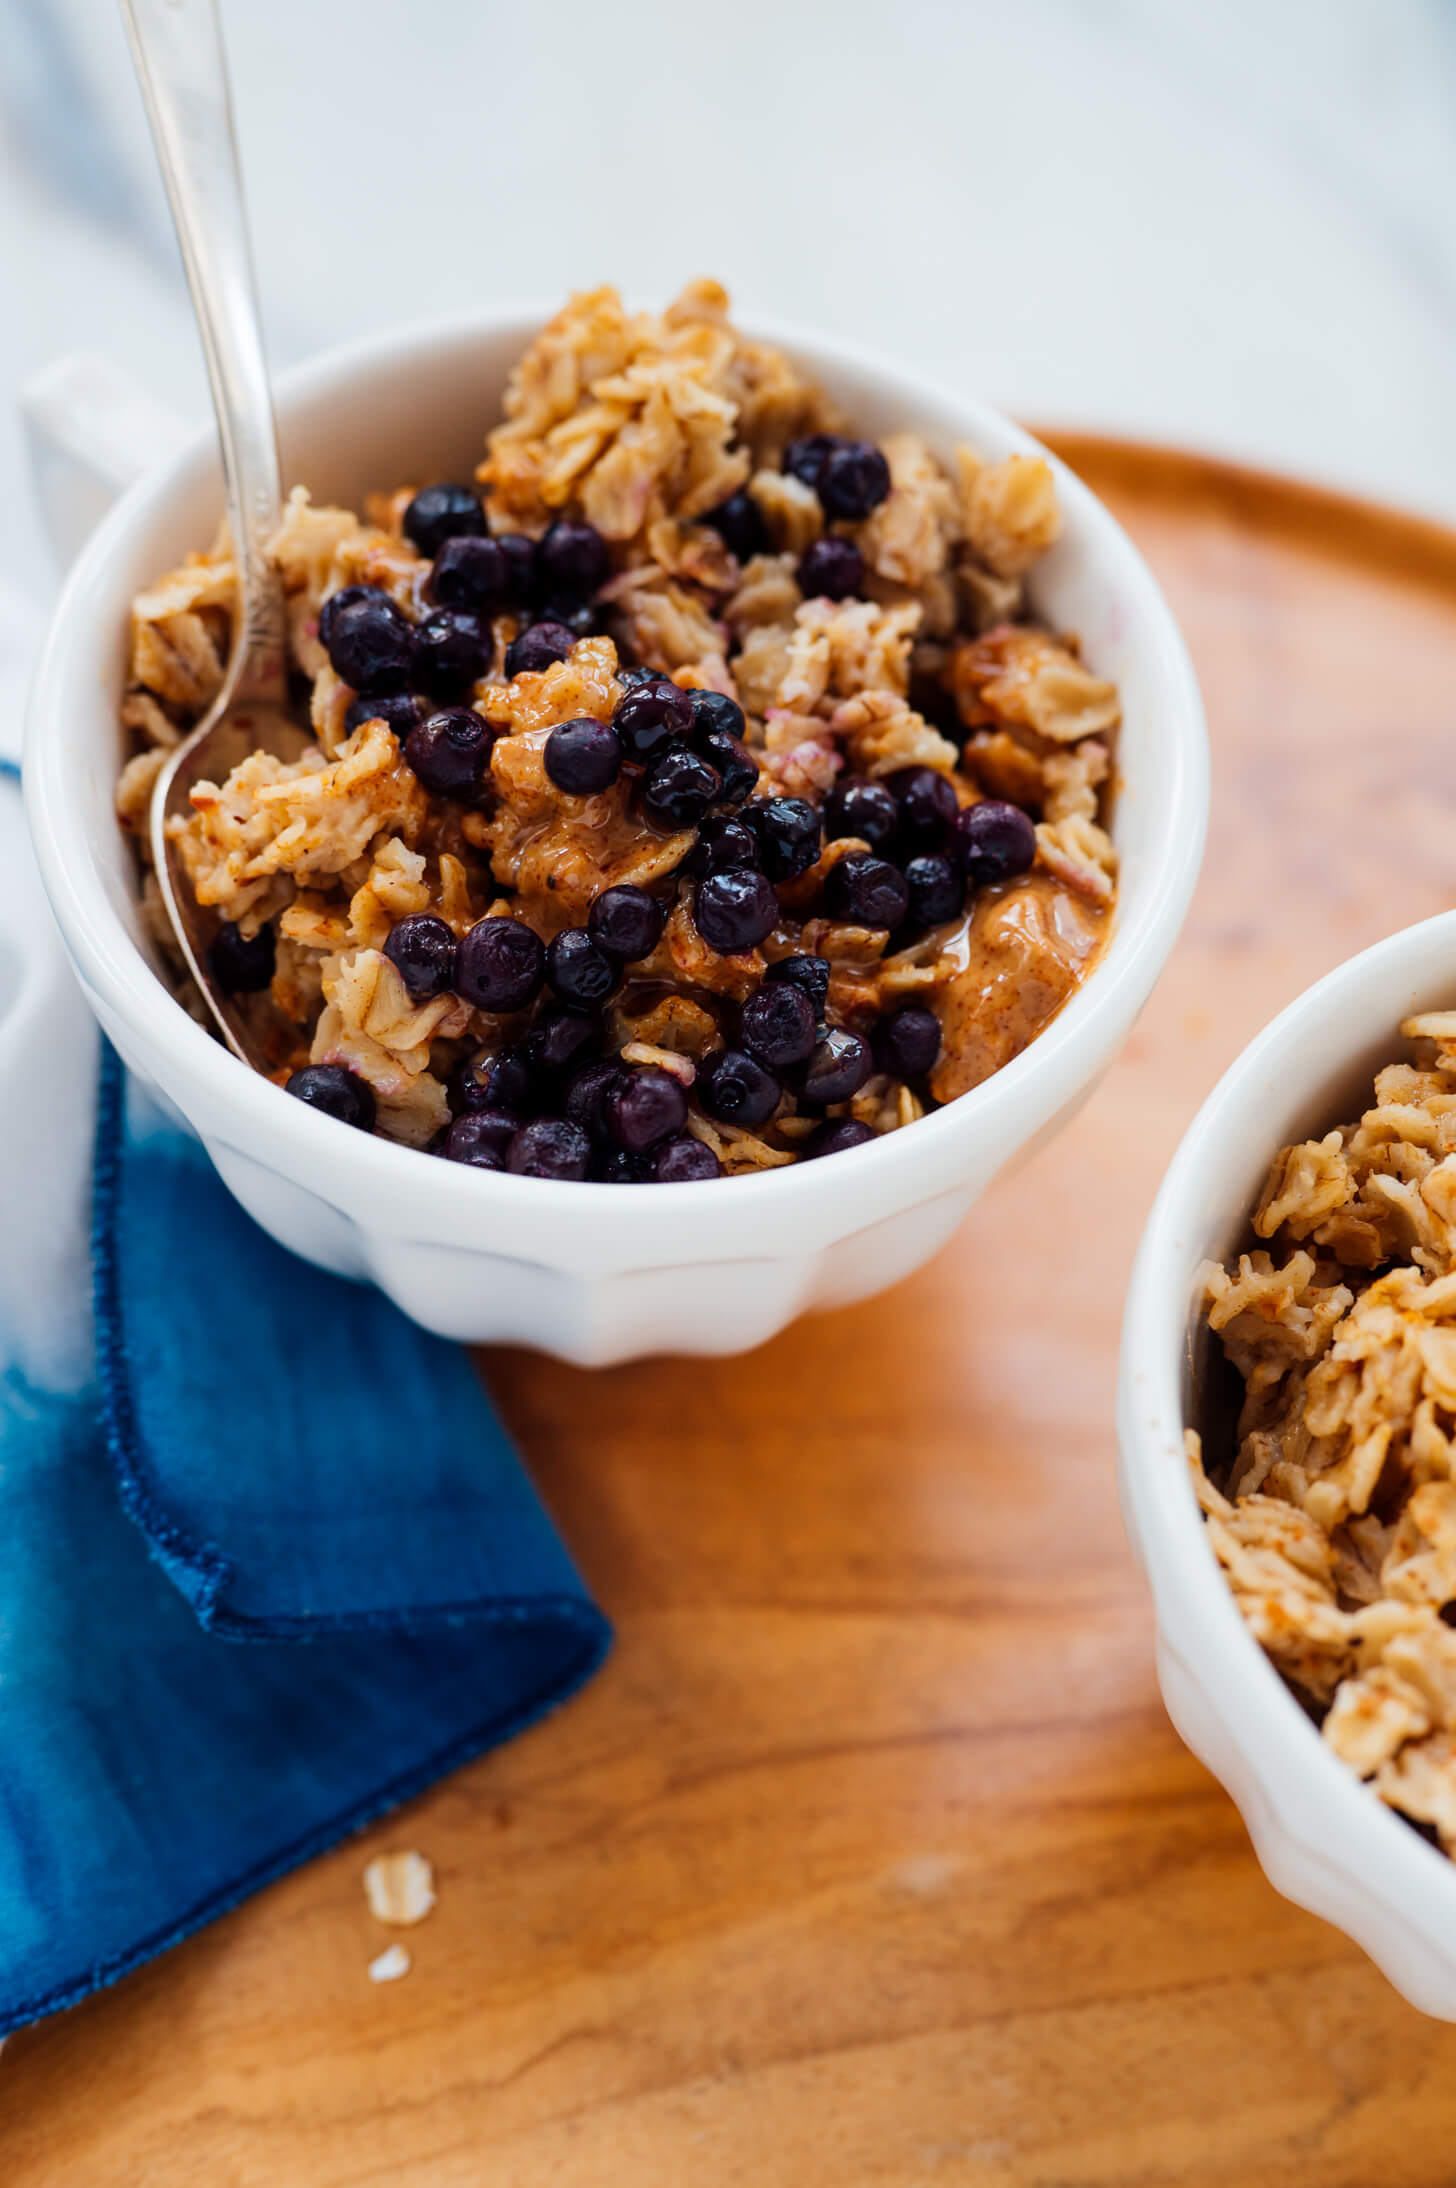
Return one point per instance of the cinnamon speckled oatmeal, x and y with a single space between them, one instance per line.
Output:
1336 1525
692 792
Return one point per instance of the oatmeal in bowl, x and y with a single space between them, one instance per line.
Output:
694 790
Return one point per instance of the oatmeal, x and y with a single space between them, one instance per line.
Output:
691 792
1336 1525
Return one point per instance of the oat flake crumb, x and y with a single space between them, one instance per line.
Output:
400 1888
390 1965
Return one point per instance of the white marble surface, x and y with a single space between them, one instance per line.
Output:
1232 225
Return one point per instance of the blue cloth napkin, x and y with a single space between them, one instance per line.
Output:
267 1567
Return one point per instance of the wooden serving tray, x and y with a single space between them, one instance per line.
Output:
871 1857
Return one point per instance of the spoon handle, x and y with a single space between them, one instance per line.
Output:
178 51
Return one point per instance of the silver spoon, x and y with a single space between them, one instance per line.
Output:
178 51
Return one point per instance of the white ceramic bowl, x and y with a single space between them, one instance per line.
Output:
1323 1838
594 1273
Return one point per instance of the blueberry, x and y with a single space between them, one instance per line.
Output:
684 1161
650 715
928 806
560 1038
630 678
538 647
582 620
994 842
626 922
804 458
520 554
715 711
776 1025
242 964
736 1090
907 1042
738 521
371 643
337 1091
438 513
396 709
854 478
722 843
450 752
422 950
936 888
583 757
335 605
552 1147
500 964
571 559
788 834
735 911
617 1167
736 767
642 1108
834 1136
499 1080
858 808
831 569
809 973
867 891
577 969
837 1069
584 1096
452 650
481 1138
471 573
679 790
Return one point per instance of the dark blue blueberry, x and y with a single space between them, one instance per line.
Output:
571 559
481 1138
937 889
583 757
491 1081
684 1162
396 709
617 1167
736 767
854 478
809 973
371 643
788 832
679 789
650 715
626 922
837 1069
438 513
858 808
582 619
714 711
735 911
830 569
471 573
242 964
721 843
335 605
738 522
577 969
928 806
337 1092
450 752
520 554
776 1025
422 950
630 678
560 1038
833 1137
500 964
586 1093
452 650
907 1042
994 842
552 1147
643 1108
736 1090
867 891
803 459
537 648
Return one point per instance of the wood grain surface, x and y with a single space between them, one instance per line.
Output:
871 1857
